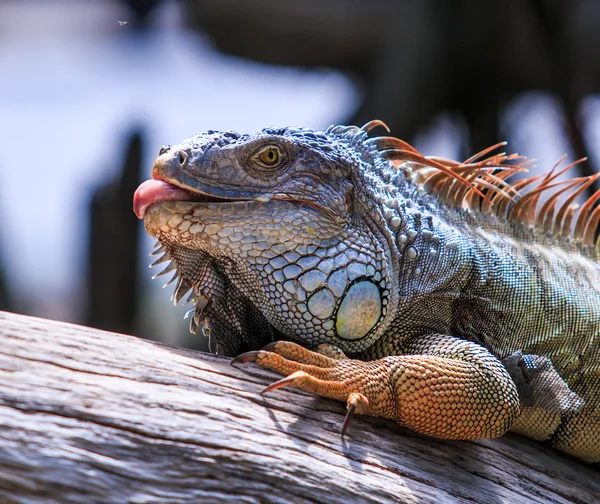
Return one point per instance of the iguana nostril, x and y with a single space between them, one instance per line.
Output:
182 157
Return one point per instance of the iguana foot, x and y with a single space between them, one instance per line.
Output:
336 377
443 386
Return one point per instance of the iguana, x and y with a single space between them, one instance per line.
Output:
415 288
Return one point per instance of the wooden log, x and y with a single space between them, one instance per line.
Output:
91 416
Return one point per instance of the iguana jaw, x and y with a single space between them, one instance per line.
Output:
187 211
170 183
160 191
157 191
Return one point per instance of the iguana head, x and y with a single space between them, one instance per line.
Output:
283 219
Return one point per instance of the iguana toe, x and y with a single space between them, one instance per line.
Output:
337 378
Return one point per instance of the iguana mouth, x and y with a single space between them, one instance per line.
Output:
155 191
159 190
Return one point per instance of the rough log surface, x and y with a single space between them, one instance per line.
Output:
90 416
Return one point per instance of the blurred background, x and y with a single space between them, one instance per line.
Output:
90 90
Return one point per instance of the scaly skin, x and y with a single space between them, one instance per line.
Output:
459 324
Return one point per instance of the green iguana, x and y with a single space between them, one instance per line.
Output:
464 309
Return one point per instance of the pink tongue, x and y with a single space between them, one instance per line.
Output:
152 191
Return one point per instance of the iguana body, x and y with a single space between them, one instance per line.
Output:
462 320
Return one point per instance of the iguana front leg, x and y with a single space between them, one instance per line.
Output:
440 386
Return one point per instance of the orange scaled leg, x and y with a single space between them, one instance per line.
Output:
441 386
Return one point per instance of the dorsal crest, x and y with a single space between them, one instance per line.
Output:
480 184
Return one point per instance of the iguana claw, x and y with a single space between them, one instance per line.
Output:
270 347
283 382
245 357
355 401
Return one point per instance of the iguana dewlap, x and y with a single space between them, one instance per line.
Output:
465 307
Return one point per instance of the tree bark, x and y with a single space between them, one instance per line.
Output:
91 416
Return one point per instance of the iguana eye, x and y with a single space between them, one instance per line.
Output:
269 156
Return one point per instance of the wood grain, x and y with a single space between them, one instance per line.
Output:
91 416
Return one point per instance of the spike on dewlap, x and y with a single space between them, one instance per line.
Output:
163 258
462 185
196 297
158 249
